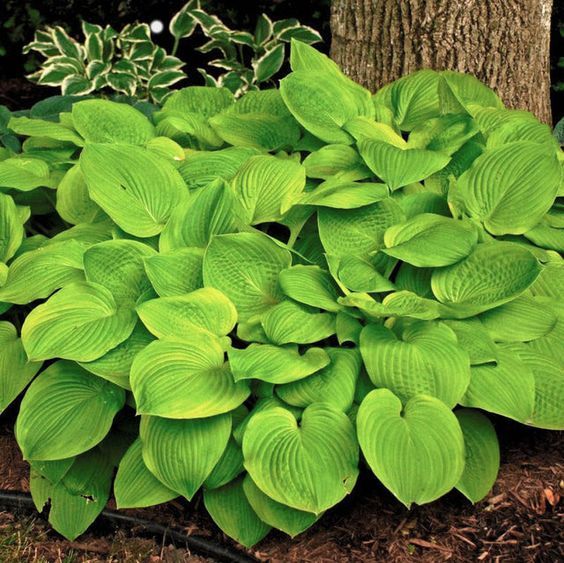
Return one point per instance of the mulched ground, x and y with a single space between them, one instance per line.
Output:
520 521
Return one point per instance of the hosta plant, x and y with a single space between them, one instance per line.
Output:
254 300
107 61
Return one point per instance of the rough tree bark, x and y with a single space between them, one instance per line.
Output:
505 43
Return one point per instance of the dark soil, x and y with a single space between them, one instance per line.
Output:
520 521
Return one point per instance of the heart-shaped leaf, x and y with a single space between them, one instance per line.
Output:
416 450
309 466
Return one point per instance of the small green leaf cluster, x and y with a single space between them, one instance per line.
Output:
248 60
127 62
254 297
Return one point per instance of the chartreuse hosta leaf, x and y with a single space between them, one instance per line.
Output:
103 121
38 273
334 159
73 201
185 379
179 317
430 241
310 465
115 365
136 188
548 376
201 100
81 322
268 187
245 267
416 450
275 364
464 91
310 285
413 99
230 509
213 210
11 228
496 188
506 387
47 129
493 274
474 339
16 371
65 412
135 486
446 134
334 384
276 514
359 273
481 454
230 465
358 232
290 322
182 453
80 496
343 194
424 359
176 272
25 174
200 168
399 167
323 99
521 320
118 266
257 130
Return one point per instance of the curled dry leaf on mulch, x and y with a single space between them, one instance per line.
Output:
521 520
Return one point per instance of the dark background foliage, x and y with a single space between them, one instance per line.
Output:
19 19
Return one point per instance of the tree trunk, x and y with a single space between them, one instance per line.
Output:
505 43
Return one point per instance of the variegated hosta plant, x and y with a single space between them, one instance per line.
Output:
256 299
126 62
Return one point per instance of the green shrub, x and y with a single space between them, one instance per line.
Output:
280 288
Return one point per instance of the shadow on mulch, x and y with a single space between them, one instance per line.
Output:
520 521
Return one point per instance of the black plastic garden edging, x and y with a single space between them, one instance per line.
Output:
199 545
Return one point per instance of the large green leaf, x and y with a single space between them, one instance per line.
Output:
231 511
81 322
521 320
357 232
416 450
176 272
77 500
11 228
135 486
73 201
497 187
66 411
245 267
424 359
506 387
430 241
25 174
276 514
310 285
47 129
268 187
103 121
275 364
115 365
482 454
180 317
399 167
16 371
136 188
334 384
324 101
118 266
333 159
213 210
182 453
493 274
199 99
292 323
38 273
185 379
310 466
230 465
